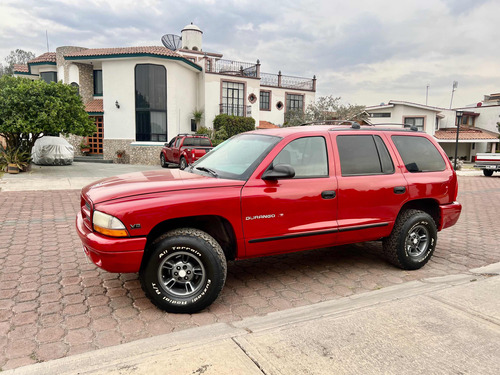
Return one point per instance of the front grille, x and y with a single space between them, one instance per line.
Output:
86 210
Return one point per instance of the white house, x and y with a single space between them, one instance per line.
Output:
478 132
140 97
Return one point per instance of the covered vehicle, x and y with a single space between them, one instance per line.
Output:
52 151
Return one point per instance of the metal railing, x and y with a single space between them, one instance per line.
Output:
231 67
289 82
236 110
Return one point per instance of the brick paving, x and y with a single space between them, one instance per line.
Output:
53 303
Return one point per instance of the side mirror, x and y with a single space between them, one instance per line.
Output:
165 144
280 171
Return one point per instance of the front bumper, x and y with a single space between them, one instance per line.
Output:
449 214
111 254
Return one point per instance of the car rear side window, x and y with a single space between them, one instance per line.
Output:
363 155
419 154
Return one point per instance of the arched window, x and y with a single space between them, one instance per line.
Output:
74 84
150 103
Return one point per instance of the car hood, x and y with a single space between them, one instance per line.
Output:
138 183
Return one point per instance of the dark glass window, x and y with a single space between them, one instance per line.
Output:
419 154
49 76
363 155
98 82
380 114
307 156
74 84
151 102
294 102
265 100
233 99
415 121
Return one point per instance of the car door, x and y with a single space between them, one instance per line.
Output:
371 188
296 213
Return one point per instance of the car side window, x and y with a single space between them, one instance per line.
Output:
419 154
307 156
172 141
363 155
177 142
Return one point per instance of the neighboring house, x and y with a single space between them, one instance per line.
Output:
477 132
140 97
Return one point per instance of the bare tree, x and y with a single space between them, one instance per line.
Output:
18 56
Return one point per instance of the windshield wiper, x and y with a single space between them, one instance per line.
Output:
205 169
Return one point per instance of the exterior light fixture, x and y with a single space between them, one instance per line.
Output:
458 115
117 104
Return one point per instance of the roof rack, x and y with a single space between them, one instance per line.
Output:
193 134
332 122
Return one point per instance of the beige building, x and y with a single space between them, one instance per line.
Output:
141 97
478 132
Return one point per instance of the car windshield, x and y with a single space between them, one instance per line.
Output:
237 157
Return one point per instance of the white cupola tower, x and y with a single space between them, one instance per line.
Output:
191 37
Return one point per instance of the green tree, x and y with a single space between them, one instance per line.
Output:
29 109
326 108
18 56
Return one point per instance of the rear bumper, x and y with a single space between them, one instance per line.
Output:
111 254
449 214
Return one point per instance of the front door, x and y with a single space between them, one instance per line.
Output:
95 140
292 214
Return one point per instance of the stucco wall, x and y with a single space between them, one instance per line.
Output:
275 115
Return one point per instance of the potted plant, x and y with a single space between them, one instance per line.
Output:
120 155
84 147
197 116
15 159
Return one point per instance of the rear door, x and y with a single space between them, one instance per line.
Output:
371 186
292 214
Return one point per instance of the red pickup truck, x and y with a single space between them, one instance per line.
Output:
269 192
184 149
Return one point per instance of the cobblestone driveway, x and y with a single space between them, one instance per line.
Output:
53 303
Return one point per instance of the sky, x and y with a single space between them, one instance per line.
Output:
365 51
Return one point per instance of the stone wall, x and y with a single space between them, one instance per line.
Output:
75 141
86 77
134 154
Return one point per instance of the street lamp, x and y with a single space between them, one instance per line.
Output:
459 115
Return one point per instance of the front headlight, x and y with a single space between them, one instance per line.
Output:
108 225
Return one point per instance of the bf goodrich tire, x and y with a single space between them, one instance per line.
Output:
183 163
412 241
487 172
184 272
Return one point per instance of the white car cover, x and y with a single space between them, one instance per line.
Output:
52 151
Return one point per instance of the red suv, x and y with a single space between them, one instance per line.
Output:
269 192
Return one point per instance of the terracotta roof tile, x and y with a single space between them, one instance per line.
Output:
46 57
154 50
21 68
266 125
94 106
465 133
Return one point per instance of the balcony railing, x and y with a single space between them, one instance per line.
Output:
288 82
236 68
236 110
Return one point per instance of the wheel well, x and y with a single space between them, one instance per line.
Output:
216 226
429 206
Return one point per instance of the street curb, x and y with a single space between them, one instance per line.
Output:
125 355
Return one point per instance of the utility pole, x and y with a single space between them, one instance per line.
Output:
427 93
455 85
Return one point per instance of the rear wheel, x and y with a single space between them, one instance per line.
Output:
185 271
412 241
163 162
183 163
487 172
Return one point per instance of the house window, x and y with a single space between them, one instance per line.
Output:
415 121
468 120
437 123
380 114
265 100
150 103
233 98
294 102
97 82
49 76
74 84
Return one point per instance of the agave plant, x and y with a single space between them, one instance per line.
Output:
14 156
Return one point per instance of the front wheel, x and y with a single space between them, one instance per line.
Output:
183 163
412 241
488 172
163 162
184 272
